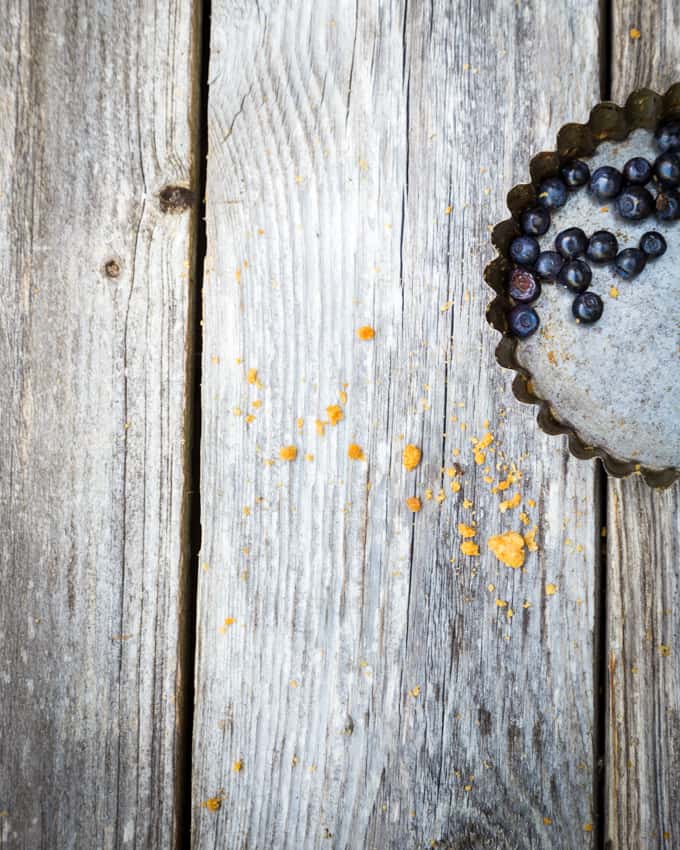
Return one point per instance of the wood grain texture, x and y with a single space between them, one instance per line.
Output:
94 311
357 684
643 553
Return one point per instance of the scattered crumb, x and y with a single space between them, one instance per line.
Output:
309 457
510 503
530 539
587 827
466 530
550 589
257 403
531 503
320 427
411 456
547 821
413 504
634 33
213 804
288 453
237 766
508 548
342 395
448 209
501 603
467 503
355 452
250 418
469 547
414 692
365 332
455 486
251 376
334 413
614 292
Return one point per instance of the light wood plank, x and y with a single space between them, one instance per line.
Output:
96 119
353 666
643 687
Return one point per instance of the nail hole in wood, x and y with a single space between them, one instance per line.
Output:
112 268
175 199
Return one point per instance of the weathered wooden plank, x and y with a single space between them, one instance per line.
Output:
643 552
96 119
357 684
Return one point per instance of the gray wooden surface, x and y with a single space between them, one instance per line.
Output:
358 685
643 555
95 119
360 682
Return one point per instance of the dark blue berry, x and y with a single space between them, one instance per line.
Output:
548 264
602 247
575 173
575 275
552 193
630 262
587 307
535 221
668 136
635 203
653 244
524 250
668 205
667 169
523 286
606 182
523 321
571 242
637 171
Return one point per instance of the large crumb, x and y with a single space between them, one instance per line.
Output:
365 332
355 452
411 456
508 548
334 413
288 453
413 504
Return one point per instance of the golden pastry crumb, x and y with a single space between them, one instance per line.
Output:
466 530
342 395
531 503
320 427
530 539
547 821
365 332
288 453
413 504
355 452
614 292
587 827
467 503
469 547
550 589
501 603
237 766
309 457
634 33
508 548
257 403
414 692
510 503
334 413
300 423
250 418
411 456
455 486
251 376
213 804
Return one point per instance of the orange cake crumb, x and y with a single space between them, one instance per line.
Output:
355 452
413 504
634 33
469 547
320 427
213 804
334 413
510 503
530 539
251 376
288 453
466 530
508 548
411 456
342 395
365 332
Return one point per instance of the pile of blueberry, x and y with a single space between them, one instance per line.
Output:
630 191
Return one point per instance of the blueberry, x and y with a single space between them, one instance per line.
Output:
652 244
602 247
667 169
587 307
575 173
524 250
637 171
535 221
552 193
523 321
548 264
523 286
606 182
635 203
630 262
668 205
575 275
668 136
571 242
